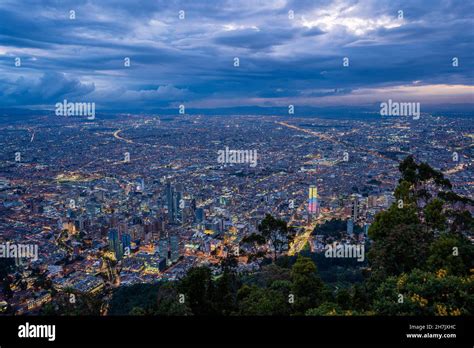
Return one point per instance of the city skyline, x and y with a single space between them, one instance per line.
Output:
248 161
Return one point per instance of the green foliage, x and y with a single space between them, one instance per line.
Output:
225 296
307 286
276 232
434 216
417 174
334 228
269 274
403 249
403 192
425 293
168 302
259 301
453 253
198 287
361 301
343 299
126 298
386 220
327 308
406 238
462 222
83 304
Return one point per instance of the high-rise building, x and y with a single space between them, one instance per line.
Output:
355 208
115 244
163 249
350 227
126 243
175 203
178 206
169 202
174 248
199 215
313 200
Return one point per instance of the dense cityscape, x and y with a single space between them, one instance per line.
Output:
135 199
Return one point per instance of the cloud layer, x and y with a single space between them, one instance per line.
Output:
290 52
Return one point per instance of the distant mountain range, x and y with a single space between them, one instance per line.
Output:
8 115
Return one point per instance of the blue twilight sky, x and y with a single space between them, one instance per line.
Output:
283 60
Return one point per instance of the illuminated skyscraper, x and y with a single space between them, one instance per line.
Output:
174 248
350 227
115 244
126 243
175 203
313 200
355 207
163 248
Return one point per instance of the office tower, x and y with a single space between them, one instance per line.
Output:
174 248
179 205
114 243
372 201
79 224
199 215
313 200
170 202
355 208
163 249
175 203
126 242
223 200
350 227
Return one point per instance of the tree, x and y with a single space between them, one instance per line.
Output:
386 220
425 293
137 311
126 298
276 232
361 301
255 240
169 302
198 288
269 274
454 253
404 193
402 235
83 304
343 298
258 301
462 222
307 286
402 249
434 216
225 294
7 265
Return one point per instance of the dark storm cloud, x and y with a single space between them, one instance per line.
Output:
191 60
